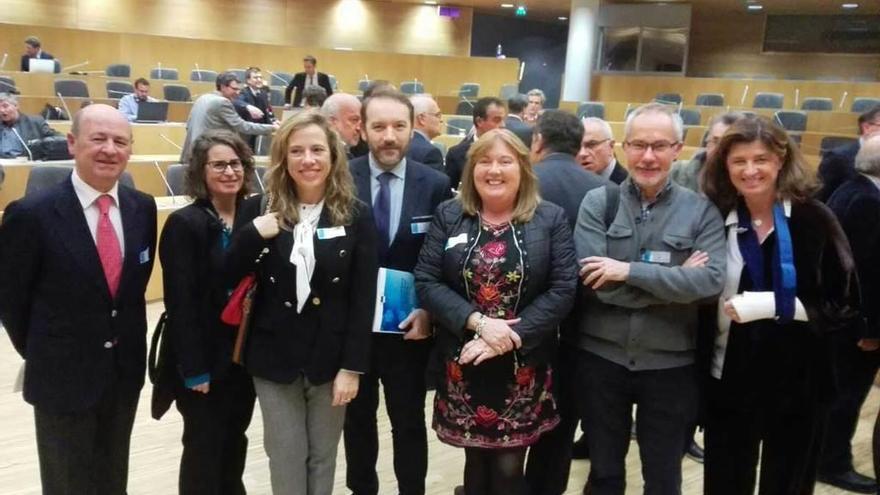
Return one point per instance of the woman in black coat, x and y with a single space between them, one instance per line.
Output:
214 395
790 284
498 271
314 255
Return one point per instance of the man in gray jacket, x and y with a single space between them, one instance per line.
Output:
663 252
216 111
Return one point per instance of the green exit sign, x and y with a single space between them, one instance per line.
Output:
521 11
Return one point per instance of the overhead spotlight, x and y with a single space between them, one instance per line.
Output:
430 2
849 6
562 18
506 5
755 7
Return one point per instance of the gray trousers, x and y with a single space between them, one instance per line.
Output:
301 432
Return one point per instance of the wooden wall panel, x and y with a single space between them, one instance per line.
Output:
60 13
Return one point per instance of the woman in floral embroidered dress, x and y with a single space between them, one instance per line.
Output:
498 270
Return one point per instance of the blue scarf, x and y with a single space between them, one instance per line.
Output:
784 274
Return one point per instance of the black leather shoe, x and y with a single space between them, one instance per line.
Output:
695 452
850 481
580 449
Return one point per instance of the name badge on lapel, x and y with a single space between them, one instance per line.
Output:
331 232
455 241
144 256
659 257
420 225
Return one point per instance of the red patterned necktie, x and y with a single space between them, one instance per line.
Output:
108 245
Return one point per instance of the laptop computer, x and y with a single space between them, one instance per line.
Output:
152 112
42 65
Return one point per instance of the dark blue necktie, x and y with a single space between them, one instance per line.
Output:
382 208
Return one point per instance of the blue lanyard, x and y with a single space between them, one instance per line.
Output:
784 273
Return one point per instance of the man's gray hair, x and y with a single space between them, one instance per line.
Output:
334 103
421 103
9 98
669 111
606 127
868 157
538 92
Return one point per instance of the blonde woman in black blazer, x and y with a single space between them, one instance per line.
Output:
314 254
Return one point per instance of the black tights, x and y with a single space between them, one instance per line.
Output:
494 471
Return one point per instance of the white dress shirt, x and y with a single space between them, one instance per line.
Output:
88 196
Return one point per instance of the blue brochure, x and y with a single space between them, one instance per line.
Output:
395 299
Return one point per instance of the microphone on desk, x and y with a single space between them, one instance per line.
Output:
198 73
259 181
3 63
276 76
461 130
159 69
742 101
167 139
64 104
26 147
74 66
123 93
843 99
165 180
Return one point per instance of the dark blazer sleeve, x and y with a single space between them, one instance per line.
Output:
455 164
25 63
541 317
434 158
449 307
246 243
838 305
297 81
180 251
859 220
45 130
362 295
19 266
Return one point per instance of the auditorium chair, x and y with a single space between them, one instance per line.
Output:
412 87
508 91
792 120
469 90
7 85
118 89
276 97
830 142
464 107
279 78
459 125
817 104
860 105
164 73
591 109
710 100
239 73
768 100
176 92
42 177
118 70
176 175
690 116
203 75
71 88
363 84
668 98
334 84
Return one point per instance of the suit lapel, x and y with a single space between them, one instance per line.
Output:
76 237
133 228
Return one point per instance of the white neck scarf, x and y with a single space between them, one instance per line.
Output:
303 253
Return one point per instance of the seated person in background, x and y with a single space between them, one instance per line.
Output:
252 103
33 49
128 104
314 97
302 80
597 151
686 173
17 129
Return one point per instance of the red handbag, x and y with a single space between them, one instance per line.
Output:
237 312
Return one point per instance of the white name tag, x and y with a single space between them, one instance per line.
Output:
660 257
455 241
331 232
419 227
144 256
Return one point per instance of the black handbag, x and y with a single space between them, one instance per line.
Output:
161 369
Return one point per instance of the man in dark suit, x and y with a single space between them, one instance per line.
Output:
562 180
488 114
836 166
516 109
253 104
596 153
74 265
403 194
857 206
426 126
33 48
310 77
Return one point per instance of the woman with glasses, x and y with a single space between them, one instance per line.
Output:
314 254
214 395
498 271
790 285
